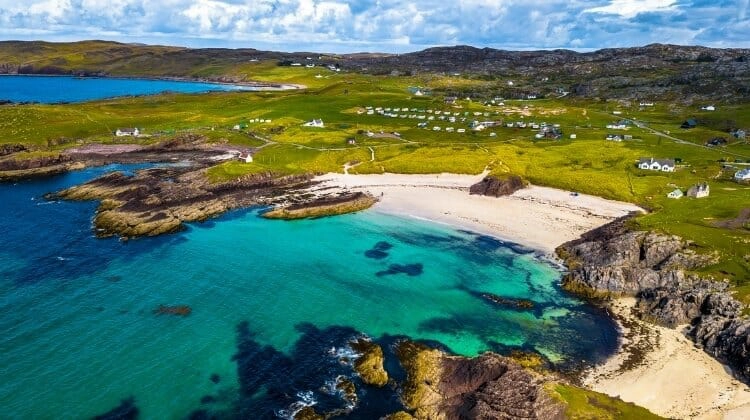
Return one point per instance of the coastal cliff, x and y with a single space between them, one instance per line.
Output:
615 260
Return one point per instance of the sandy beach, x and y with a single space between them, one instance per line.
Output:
674 379
536 217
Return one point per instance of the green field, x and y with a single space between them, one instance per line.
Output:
587 164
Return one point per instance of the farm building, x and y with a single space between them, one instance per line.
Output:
743 175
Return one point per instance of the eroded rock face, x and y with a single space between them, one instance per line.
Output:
613 260
727 339
486 387
496 187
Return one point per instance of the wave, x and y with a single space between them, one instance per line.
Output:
306 399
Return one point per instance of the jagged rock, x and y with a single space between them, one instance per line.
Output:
727 339
613 260
369 364
498 186
486 387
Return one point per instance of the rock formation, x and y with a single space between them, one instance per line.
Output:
498 186
615 260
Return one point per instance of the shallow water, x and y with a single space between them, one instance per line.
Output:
53 89
272 303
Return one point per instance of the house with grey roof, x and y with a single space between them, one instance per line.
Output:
699 191
651 164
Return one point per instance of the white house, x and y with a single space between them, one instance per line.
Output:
675 194
124 132
699 191
314 123
708 108
245 157
743 175
651 164
647 104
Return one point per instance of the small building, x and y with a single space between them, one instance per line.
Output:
573 136
675 194
351 141
245 157
127 132
614 137
743 175
645 104
739 134
688 124
450 100
651 164
699 191
717 141
708 108
314 123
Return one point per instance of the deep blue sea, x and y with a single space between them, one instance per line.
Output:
53 89
273 306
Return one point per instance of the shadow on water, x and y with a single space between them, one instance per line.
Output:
273 383
127 410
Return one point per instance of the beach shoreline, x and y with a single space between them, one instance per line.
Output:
655 367
537 218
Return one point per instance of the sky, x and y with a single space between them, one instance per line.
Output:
382 25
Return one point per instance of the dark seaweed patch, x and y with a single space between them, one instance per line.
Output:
215 378
379 251
410 270
127 410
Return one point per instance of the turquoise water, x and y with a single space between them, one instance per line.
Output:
53 89
269 299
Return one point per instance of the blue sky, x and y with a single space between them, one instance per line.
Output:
382 25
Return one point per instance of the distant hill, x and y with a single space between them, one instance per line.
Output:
681 73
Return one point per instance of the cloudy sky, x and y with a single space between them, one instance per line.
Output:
382 25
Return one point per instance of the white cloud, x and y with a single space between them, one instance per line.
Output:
632 8
382 25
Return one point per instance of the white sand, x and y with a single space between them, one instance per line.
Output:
675 379
536 217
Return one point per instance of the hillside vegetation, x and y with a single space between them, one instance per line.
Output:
366 143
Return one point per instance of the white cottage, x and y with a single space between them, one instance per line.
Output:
651 164
124 132
314 123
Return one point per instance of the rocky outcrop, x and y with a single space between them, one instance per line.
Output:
369 363
323 206
495 186
615 260
160 200
486 387
727 339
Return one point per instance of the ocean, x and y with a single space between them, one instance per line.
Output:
54 89
272 307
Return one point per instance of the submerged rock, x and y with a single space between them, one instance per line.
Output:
180 310
127 410
508 302
410 270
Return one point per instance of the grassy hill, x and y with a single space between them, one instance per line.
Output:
587 164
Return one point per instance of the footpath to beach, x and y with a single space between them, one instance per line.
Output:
673 378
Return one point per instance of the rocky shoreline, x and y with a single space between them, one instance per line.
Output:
656 269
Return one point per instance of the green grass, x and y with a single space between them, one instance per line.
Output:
582 404
588 164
